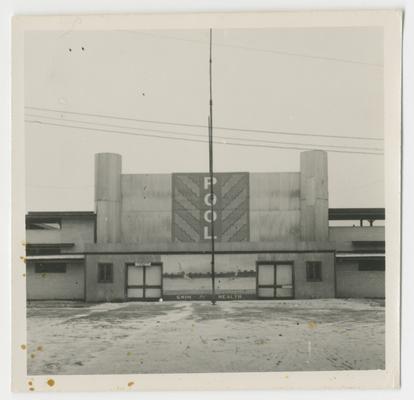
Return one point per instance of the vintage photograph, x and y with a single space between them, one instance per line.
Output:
204 200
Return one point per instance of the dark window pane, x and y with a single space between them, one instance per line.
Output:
313 271
371 265
105 273
41 268
109 273
46 224
101 271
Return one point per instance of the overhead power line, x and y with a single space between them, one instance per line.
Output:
193 140
106 116
255 49
201 135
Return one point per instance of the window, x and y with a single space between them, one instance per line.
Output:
45 224
105 273
313 271
42 268
371 265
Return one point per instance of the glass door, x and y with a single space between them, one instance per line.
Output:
144 281
274 280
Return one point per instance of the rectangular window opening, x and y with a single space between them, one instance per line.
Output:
105 273
49 268
371 265
46 224
313 271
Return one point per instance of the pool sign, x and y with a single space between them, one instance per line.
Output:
210 208
192 200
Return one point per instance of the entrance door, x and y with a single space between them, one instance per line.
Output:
284 281
144 281
274 280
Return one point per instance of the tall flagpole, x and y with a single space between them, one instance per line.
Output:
210 148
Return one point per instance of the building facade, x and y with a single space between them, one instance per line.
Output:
150 238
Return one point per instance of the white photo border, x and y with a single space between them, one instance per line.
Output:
391 21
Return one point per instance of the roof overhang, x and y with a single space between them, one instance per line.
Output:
34 216
359 256
59 257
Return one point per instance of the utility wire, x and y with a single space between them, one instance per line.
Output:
193 140
201 135
201 126
255 49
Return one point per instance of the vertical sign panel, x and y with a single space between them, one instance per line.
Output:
191 207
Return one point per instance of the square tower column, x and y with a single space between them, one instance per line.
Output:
108 197
314 195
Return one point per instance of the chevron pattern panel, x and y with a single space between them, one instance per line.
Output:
191 207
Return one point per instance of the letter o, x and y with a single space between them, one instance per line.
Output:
207 216
207 199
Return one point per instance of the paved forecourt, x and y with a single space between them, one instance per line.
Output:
179 337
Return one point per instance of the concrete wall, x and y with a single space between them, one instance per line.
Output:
351 233
108 168
146 208
78 231
274 206
56 286
247 262
314 195
315 290
114 291
359 284
138 208
199 263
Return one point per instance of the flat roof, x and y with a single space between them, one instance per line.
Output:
40 215
337 214
368 242
49 245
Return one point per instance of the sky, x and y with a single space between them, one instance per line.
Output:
311 81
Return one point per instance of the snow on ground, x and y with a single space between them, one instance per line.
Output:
177 337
